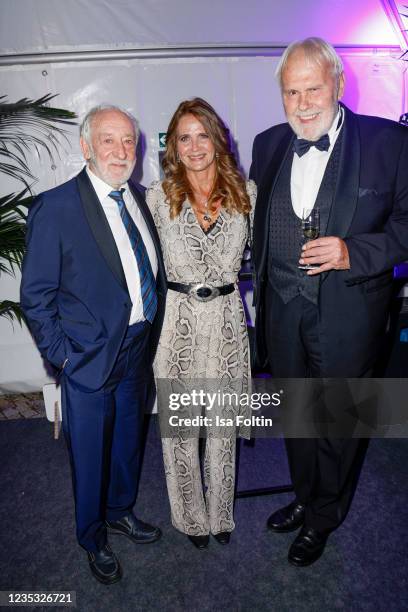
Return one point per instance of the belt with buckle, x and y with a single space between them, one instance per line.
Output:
201 291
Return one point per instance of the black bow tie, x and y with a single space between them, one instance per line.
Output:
301 146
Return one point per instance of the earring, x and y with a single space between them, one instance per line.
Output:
217 155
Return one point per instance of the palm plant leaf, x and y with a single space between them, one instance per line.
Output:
11 310
12 230
26 125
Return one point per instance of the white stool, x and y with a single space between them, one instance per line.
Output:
52 401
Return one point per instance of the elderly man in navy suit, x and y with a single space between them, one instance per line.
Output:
329 321
93 292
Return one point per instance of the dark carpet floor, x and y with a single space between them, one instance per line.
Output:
365 565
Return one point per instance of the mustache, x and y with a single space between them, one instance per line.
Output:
125 163
119 162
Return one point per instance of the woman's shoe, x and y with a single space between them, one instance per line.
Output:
223 537
200 541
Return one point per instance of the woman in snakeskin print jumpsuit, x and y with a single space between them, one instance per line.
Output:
201 212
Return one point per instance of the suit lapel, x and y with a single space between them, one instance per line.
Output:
346 193
265 192
100 227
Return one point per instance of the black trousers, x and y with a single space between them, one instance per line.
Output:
324 471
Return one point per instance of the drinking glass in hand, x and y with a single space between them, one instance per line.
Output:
310 230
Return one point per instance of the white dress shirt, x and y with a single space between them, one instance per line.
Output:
308 170
127 256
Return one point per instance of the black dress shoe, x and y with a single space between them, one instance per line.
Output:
223 537
307 547
105 565
137 531
287 519
199 541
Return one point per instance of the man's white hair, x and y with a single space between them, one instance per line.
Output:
85 129
315 50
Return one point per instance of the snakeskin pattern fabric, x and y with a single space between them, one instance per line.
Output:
202 340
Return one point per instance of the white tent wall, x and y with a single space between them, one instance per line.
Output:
242 89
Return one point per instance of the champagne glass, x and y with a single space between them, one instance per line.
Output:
310 230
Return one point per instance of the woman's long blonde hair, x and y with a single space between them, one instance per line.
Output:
229 185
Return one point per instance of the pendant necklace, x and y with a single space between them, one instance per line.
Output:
206 216
203 203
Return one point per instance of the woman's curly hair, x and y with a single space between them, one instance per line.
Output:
229 185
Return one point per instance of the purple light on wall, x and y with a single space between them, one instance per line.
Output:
373 27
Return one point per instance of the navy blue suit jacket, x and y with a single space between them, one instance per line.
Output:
369 211
73 289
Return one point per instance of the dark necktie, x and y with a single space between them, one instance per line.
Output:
301 146
147 280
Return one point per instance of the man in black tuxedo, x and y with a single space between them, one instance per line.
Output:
93 291
329 321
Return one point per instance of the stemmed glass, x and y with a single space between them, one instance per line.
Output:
310 230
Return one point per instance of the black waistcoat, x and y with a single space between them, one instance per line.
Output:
285 233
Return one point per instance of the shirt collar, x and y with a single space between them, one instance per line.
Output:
336 125
102 189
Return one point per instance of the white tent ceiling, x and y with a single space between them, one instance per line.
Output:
36 26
